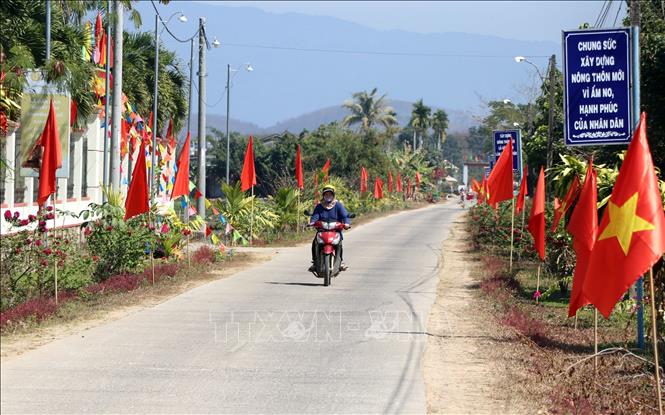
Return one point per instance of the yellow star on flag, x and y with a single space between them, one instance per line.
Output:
624 222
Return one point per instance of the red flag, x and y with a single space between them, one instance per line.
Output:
181 186
363 180
124 132
583 226
417 180
378 188
73 112
248 177
568 200
500 182
399 183
482 195
325 169
99 29
537 218
631 236
51 158
299 175
208 231
475 186
523 192
170 136
137 194
102 50
390 182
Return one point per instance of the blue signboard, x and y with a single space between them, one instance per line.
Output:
501 139
597 73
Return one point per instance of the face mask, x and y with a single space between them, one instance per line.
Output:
328 199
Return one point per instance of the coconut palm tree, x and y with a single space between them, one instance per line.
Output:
367 110
420 121
439 125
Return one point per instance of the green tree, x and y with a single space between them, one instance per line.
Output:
440 125
368 109
420 121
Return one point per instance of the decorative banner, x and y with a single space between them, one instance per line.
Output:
35 104
597 74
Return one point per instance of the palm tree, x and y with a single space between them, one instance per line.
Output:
368 110
138 78
420 121
439 125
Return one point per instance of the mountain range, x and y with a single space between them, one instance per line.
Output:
459 121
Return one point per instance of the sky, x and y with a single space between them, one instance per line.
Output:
512 19
288 83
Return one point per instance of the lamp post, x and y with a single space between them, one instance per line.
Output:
550 92
153 156
248 67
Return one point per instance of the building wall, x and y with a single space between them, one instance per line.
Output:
80 196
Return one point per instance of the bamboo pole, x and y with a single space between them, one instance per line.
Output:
152 246
55 258
251 219
538 284
189 261
654 335
595 340
512 231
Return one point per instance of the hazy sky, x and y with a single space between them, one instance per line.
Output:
527 20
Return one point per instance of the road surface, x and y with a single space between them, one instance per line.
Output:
269 339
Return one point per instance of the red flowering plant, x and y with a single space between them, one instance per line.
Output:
118 246
28 258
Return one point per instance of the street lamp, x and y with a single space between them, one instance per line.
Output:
550 92
248 67
153 156
216 43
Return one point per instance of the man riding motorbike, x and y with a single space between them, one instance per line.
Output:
329 210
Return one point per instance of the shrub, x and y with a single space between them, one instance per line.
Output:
525 324
204 255
117 283
37 308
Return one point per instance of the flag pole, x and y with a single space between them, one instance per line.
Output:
512 231
595 340
55 261
251 219
189 261
538 283
152 246
297 212
655 341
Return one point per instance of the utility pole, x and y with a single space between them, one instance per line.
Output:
228 135
155 129
117 96
191 76
550 126
107 88
201 206
48 31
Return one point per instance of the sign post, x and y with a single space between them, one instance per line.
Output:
501 138
597 75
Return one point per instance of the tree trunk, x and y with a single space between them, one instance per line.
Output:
414 141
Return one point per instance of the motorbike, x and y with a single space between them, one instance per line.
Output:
327 250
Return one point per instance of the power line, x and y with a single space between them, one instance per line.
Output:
382 53
617 15
169 30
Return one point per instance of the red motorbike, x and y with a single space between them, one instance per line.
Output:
327 249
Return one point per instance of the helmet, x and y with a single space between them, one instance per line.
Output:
328 188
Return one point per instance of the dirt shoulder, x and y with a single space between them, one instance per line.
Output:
78 316
467 363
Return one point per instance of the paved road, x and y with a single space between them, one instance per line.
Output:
269 339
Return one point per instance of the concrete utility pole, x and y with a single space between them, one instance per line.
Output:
48 30
228 132
155 129
191 77
201 206
550 123
117 97
107 88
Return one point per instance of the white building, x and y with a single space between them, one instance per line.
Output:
83 186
